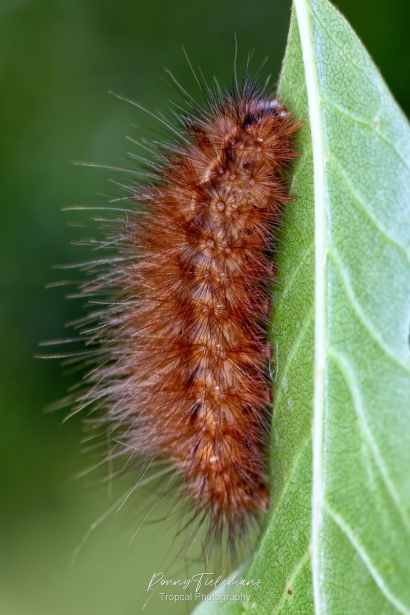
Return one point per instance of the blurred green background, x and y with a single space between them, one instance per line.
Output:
58 61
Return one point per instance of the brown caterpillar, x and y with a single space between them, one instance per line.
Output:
182 351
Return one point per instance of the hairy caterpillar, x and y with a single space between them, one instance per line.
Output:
181 366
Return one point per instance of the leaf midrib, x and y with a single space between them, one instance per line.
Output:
319 158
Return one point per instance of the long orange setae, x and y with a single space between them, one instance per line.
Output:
184 374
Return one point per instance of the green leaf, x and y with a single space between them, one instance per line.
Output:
338 537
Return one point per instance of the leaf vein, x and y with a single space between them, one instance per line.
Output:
292 576
359 410
291 279
356 120
360 314
366 560
293 350
366 210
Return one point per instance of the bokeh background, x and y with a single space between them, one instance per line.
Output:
58 61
